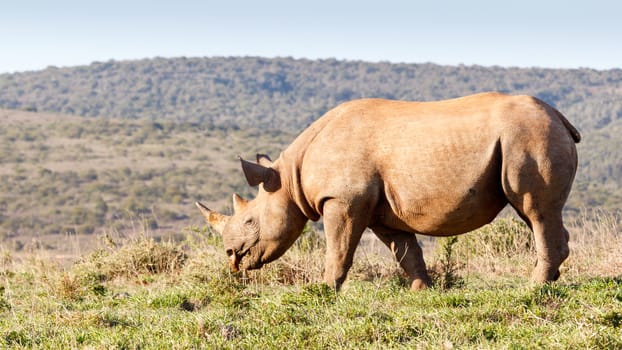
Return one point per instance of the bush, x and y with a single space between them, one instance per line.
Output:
502 238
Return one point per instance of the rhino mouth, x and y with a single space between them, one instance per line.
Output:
245 260
234 260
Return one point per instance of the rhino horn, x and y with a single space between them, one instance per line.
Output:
257 173
239 203
216 220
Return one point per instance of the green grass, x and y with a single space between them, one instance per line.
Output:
169 312
153 295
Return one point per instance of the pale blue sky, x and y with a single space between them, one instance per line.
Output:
567 34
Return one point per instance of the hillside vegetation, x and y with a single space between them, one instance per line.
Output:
133 144
288 94
63 174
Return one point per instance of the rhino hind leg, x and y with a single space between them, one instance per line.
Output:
408 253
551 239
536 178
544 217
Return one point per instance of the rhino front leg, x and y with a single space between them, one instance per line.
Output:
343 229
408 253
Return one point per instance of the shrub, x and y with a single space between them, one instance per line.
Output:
502 238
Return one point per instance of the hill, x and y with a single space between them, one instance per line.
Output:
125 144
284 93
67 174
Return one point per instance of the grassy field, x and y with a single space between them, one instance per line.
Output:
101 247
137 293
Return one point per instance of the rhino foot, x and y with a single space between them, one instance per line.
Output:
419 284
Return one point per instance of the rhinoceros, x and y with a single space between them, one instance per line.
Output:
403 168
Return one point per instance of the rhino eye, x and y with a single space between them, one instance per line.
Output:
251 225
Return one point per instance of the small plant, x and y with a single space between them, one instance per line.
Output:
613 318
4 304
68 287
446 269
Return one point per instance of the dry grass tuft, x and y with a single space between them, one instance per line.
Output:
506 248
503 247
141 255
595 244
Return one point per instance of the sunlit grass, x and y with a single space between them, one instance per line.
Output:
139 293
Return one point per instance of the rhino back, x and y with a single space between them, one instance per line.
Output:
431 167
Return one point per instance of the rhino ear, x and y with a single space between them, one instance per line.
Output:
216 220
257 173
239 203
264 160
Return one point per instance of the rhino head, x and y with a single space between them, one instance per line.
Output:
262 229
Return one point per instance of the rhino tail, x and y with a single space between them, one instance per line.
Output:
576 136
574 133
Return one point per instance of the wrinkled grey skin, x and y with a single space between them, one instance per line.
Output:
400 168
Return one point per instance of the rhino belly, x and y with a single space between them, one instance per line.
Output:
439 204
445 217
